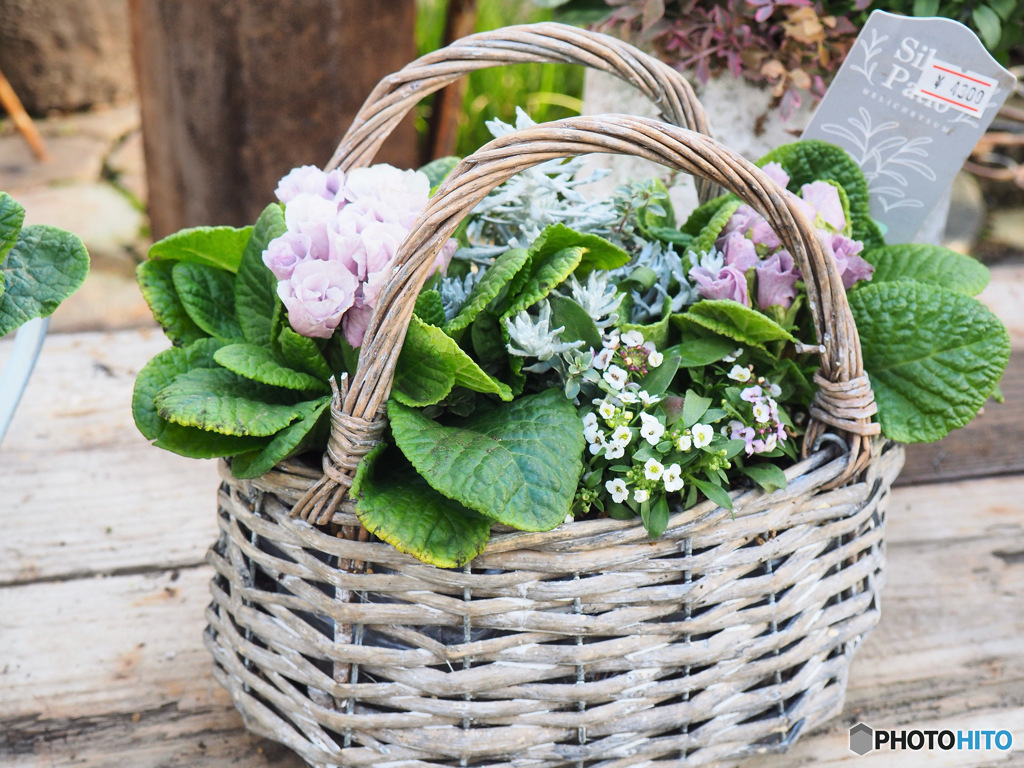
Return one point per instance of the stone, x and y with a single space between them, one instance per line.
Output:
109 225
74 159
126 166
966 216
1006 226
66 54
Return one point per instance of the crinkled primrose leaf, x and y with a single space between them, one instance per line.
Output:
740 323
400 508
220 247
262 365
934 356
285 443
255 285
928 264
517 463
497 276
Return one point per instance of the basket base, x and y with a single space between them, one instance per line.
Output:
725 639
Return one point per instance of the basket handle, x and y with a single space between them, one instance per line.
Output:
844 399
548 42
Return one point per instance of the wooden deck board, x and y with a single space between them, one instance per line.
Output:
102 592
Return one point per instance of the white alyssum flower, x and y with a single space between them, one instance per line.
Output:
590 420
603 358
651 429
647 398
654 359
653 469
615 376
598 442
641 495
774 390
614 451
617 488
673 478
761 412
702 434
684 443
732 356
606 409
621 436
534 337
740 374
632 338
629 397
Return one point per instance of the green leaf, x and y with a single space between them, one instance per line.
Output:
262 365
716 493
928 264
431 364
732 319
194 443
302 353
705 241
437 170
578 325
256 287
925 7
694 406
429 307
517 463
398 507
698 347
284 444
207 293
44 267
598 253
659 379
989 27
549 271
815 160
220 247
217 400
1003 8
158 290
768 476
933 356
12 217
655 516
703 214
497 276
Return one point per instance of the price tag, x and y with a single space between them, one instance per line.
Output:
970 92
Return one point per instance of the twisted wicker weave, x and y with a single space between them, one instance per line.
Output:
587 645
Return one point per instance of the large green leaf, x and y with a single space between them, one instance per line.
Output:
285 443
703 214
598 253
194 443
207 293
429 307
698 346
497 276
158 290
577 325
549 270
933 356
262 365
928 264
12 216
302 353
255 285
398 507
431 364
45 266
732 319
217 400
518 463
814 160
220 247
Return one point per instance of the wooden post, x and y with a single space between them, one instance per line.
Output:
444 122
235 93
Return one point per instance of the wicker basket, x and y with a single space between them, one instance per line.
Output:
589 644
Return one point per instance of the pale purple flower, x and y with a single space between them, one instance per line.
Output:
310 180
739 251
761 233
776 173
752 394
729 283
824 198
355 323
391 195
741 220
312 216
776 280
317 294
852 266
285 252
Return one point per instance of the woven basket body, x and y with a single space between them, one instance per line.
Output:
589 644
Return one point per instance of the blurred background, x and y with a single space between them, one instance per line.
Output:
153 115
